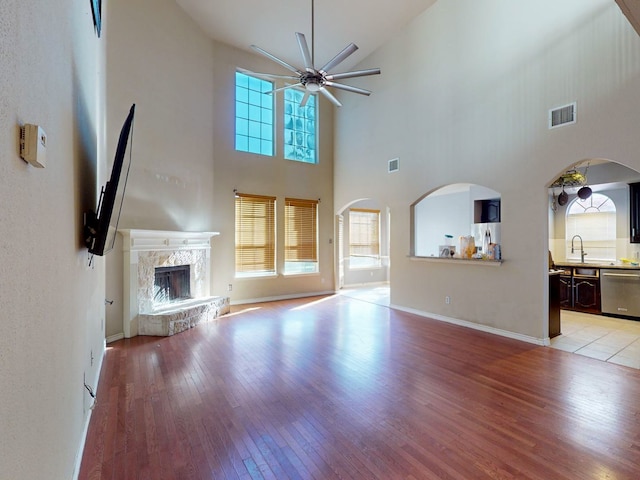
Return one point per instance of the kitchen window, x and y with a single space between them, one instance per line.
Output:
594 219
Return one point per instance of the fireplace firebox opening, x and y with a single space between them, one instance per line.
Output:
172 284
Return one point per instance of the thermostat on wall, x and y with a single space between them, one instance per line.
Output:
33 145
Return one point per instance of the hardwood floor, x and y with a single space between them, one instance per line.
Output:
336 388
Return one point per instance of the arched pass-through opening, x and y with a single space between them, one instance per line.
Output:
594 274
460 220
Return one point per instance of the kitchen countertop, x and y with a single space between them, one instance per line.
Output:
618 265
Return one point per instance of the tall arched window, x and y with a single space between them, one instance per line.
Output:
594 219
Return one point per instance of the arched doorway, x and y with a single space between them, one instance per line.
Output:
363 250
589 239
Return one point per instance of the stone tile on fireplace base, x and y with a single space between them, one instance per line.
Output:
171 321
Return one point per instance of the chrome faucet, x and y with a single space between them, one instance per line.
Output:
582 253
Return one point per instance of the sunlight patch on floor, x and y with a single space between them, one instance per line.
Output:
378 294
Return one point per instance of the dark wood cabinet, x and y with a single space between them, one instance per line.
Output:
487 211
554 305
634 212
565 291
586 294
581 292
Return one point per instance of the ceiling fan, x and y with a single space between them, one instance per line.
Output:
316 79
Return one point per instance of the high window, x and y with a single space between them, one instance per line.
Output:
594 219
299 127
255 235
364 238
254 115
301 236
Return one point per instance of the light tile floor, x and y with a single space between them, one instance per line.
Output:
604 338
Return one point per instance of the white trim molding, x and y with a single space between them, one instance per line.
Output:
476 326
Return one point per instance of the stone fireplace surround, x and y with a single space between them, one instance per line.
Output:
143 251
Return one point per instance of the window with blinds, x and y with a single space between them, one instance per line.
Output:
255 235
300 236
364 238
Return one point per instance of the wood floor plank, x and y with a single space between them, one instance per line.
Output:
338 388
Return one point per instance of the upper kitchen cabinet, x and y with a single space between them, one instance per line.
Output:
634 212
486 211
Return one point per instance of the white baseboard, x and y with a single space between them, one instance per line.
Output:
85 430
281 297
366 285
115 338
476 326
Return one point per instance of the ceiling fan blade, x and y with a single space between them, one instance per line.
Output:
284 88
348 88
305 98
331 98
276 59
356 73
268 75
348 50
304 49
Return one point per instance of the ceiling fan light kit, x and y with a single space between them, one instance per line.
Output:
315 80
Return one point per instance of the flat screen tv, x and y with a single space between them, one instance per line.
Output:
101 226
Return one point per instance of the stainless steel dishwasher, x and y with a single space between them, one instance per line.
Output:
620 292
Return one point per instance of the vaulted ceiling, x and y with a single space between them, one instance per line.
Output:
271 25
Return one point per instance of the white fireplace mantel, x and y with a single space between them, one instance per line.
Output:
145 249
149 240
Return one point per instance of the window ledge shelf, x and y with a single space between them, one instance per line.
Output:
256 277
300 274
466 261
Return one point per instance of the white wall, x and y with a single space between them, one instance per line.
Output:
274 176
51 301
185 166
464 97
440 215
158 59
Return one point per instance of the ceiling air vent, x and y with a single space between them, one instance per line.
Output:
394 165
565 115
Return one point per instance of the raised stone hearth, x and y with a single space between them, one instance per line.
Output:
182 317
146 250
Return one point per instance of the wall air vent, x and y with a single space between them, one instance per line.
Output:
394 165
561 116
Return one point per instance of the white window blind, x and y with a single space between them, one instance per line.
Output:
301 235
364 237
255 235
